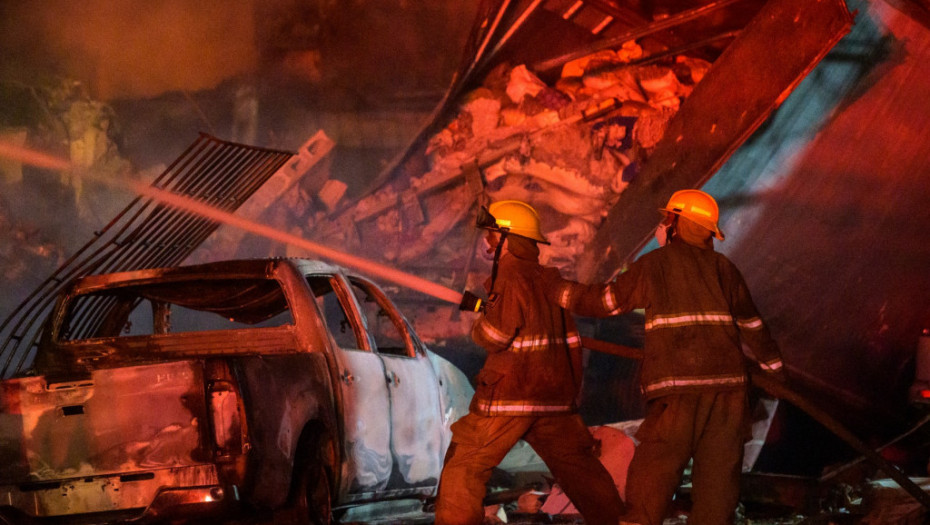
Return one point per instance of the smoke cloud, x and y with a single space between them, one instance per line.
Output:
130 48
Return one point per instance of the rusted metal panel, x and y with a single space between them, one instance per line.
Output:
227 415
129 350
198 484
94 426
645 29
86 446
755 73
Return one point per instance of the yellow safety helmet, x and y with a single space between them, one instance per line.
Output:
696 206
517 217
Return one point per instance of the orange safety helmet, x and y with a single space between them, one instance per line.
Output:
696 206
517 217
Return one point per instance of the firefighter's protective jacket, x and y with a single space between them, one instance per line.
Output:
533 364
699 314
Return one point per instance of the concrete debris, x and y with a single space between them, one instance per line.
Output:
569 149
332 192
879 502
529 495
523 84
529 490
662 87
513 104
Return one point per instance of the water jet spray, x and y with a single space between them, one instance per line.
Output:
193 206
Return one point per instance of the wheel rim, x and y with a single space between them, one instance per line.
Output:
317 499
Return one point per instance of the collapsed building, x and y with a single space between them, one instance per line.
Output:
590 133
596 139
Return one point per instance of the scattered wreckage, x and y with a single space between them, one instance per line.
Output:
595 136
278 385
600 129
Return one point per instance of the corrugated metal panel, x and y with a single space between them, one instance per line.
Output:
147 234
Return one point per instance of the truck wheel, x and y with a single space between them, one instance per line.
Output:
314 499
311 502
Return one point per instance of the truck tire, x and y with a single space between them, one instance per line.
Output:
310 502
314 499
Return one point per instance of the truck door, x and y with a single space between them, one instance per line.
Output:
416 414
364 393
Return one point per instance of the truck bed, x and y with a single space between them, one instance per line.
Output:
107 442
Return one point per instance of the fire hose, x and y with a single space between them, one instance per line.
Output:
774 387
781 390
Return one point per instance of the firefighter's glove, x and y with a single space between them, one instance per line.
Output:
780 375
471 303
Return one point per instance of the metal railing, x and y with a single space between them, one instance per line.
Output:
145 234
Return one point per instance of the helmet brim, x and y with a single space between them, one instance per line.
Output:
710 226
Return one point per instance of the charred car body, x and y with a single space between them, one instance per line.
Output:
285 385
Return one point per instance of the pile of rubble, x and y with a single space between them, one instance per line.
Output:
569 149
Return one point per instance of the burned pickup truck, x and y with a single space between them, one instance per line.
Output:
283 386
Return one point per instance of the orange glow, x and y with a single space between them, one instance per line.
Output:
190 205
133 49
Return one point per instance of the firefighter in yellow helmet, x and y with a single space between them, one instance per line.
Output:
529 385
699 315
696 207
516 217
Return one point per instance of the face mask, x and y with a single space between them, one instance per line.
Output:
488 246
662 234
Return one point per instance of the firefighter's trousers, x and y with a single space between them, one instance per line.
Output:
709 427
563 442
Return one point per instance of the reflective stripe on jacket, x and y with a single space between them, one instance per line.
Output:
699 314
533 364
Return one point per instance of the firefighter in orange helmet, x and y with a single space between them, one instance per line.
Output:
699 314
529 385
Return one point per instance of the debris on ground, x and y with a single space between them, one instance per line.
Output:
526 493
